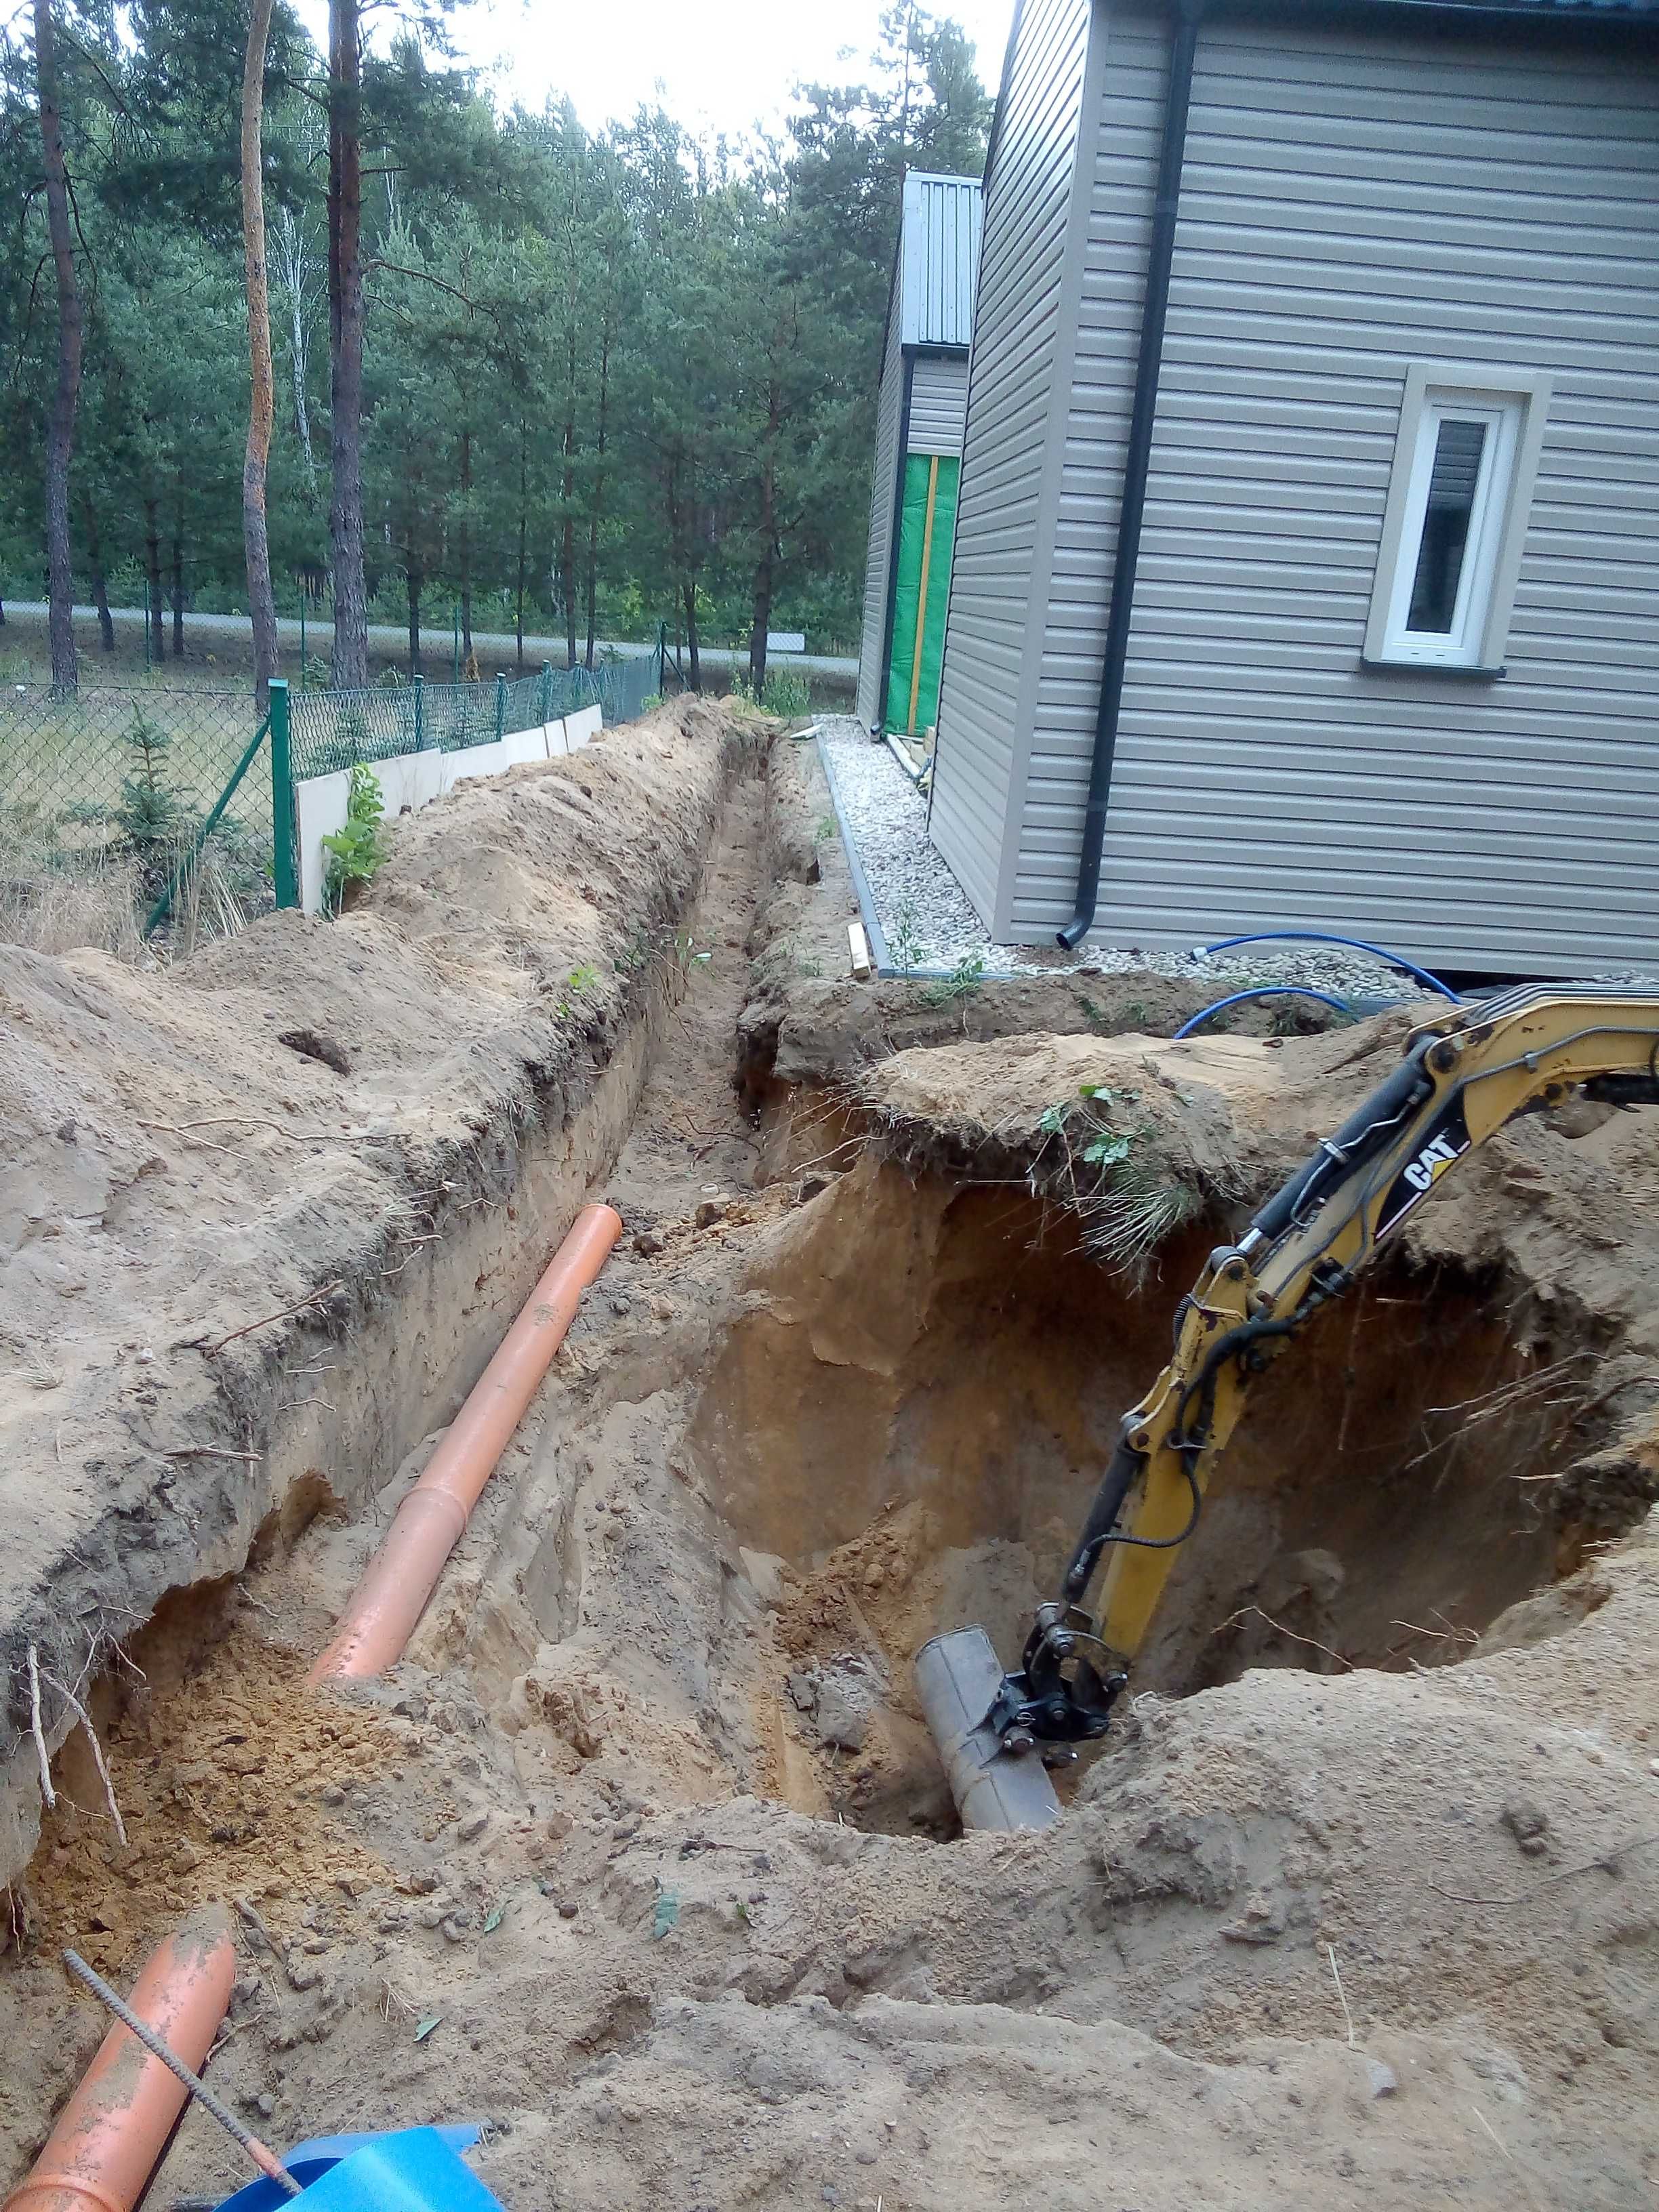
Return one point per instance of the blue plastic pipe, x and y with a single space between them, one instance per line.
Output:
408 2170
1329 937
1263 991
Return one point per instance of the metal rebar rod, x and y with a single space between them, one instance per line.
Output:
263 2156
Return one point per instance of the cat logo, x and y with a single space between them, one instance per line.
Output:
1432 1159
1424 1170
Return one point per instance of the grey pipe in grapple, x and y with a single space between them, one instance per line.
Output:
957 1679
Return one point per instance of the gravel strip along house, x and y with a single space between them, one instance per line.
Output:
919 416
1307 555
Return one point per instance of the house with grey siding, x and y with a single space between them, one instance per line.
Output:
919 417
1307 555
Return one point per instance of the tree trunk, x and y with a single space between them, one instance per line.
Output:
466 547
689 594
524 544
760 619
153 573
261 599
598 489
292 264
765 569
60 425
568 534
413 575
568 578
179 584
345 331
100 582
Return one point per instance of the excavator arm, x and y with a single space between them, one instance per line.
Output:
1465 1074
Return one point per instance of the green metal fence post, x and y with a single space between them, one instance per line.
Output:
303 641
284 872
420 714
501 706
455 647
163 905
147 656
547 691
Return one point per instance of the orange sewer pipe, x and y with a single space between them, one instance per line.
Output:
115 2127
402 1576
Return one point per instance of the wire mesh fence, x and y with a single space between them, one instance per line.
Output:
334 730
114 785
117 785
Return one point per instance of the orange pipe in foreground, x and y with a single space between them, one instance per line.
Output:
115 2127
402 1576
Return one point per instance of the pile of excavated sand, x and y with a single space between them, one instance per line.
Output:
638 1855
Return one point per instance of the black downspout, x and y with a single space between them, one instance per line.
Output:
1183 47
896 525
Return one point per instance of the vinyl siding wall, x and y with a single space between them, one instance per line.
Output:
998 568
889 405
1352 203
938 402
939 249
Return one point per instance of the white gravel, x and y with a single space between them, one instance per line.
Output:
928 923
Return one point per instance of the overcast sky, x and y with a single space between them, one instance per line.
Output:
725 66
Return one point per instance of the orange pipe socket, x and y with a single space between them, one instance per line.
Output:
115 2127
402 1576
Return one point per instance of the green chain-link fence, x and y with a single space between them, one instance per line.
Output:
123 783
338 729
116 785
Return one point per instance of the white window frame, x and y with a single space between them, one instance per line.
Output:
1513 408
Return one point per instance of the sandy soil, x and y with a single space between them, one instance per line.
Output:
641 1854
214 1176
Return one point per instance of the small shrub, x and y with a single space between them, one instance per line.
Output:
786 695
903 941
358 849
152 823
964 979
155 820
578 984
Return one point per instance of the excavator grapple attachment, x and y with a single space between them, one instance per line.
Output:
959 1681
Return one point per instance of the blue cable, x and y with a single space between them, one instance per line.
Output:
1330 937
1263 991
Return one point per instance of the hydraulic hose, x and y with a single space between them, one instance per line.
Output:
115 2126
1262 991
1331 937
402 1576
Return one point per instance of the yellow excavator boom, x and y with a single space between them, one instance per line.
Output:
1465 1073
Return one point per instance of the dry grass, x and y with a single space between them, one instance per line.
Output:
49 909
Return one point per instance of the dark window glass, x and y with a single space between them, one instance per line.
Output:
1446 526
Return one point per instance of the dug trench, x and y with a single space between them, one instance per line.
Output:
642 1854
